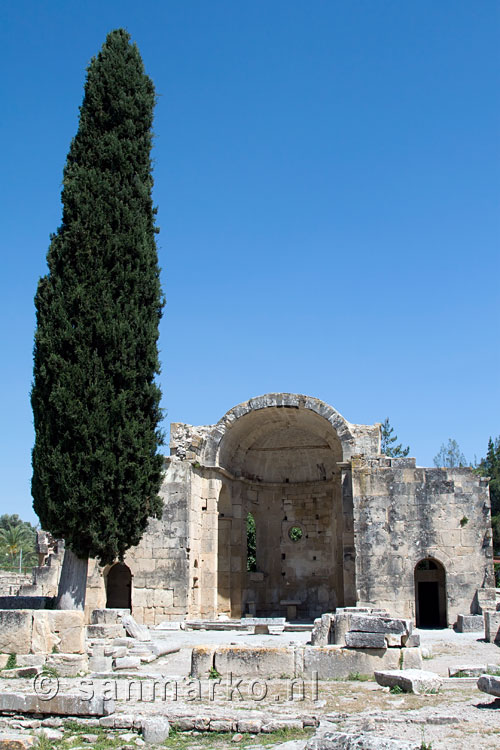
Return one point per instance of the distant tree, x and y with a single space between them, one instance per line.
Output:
7 520
450 456
387 446
17 544
490 467
96 466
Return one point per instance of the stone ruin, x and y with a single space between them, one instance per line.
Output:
338 524
353 546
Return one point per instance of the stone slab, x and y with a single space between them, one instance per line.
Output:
365 640
107 616
105 631
416 681
377 624
61 705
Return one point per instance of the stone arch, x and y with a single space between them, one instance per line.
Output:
213 443
119 587
279 455
430 593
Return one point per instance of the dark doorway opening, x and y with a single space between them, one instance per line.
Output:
430 594
119 587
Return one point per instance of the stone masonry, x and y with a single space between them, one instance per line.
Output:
338 524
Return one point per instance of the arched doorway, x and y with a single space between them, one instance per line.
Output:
119 587
430 594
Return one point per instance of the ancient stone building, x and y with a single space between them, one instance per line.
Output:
337 524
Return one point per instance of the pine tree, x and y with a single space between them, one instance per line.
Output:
450 455
96 406
387 447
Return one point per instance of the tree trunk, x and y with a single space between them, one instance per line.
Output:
73 582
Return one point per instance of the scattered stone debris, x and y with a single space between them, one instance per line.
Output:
416 681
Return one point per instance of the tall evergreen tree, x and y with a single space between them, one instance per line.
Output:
387 446
490 467
96 406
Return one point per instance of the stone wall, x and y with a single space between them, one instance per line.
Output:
25 631
10 582
404 514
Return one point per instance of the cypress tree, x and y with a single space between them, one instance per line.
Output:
96 406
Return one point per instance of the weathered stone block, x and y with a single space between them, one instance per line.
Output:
467 670
61 705
155 730
375 624
127 662
100 664
10 741
412 641
412 658
335 662
250 726
416 681
276 725
365 640
141 632
105 631
202 660
487 683
69 626
320 635
68 665
107 616
492 626
21 672
15 631
221 725
484 600
267 662
356 741
43 637
470 623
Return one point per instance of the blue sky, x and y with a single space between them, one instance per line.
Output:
327 176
